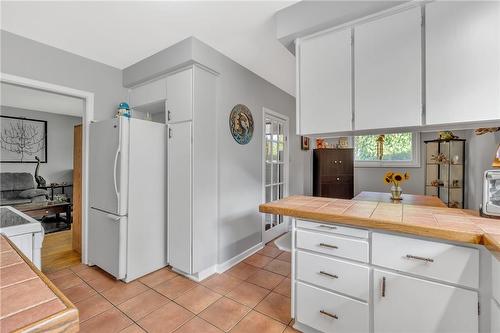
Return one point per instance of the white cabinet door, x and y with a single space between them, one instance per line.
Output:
495 276
495 316
180 96
179 196
24 243
388 71
462 61
148 93
324 83
406 304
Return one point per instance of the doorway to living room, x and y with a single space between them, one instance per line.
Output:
41 166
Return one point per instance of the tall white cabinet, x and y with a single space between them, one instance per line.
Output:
388 71
462 61
324 83
192 171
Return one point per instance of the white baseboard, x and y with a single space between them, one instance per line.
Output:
200 276
221 268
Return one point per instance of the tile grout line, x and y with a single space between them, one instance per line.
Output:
27 308
253 308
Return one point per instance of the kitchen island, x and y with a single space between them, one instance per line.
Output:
438 222
29 302
371 266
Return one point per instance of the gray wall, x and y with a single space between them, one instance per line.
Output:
24 57
59 167
240 167
479 151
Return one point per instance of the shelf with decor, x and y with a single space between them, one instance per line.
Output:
445 170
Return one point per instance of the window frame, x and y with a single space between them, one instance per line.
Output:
413 163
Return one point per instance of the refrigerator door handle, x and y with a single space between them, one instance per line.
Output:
114 172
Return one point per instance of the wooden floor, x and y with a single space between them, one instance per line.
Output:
57 252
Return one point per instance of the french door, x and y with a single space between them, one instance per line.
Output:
275 170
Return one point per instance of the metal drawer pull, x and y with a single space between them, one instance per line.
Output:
327 227
331 315
328 245
409 256
383 286
328 274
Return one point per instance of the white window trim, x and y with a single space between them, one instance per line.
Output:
414 163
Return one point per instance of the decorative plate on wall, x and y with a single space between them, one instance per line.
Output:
241 124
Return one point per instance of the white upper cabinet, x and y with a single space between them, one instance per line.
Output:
388 71
324 83
180 96
462 61
148 93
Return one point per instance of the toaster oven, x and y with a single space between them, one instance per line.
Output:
491 193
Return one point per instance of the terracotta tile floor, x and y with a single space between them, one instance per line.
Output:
253 296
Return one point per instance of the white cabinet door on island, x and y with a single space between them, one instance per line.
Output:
388 71
403 304
462 61
324 83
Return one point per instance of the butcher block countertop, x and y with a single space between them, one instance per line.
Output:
29 302
421 220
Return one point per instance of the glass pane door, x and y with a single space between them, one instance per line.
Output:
275 168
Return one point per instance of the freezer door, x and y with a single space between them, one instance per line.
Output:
108 165
107 242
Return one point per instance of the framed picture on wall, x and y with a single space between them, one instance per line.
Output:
304 142
22 140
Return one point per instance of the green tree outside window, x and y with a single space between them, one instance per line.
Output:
397 147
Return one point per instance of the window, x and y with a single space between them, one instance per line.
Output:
389 150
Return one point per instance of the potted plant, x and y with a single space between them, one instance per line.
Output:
396 178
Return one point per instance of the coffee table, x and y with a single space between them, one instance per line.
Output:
42 211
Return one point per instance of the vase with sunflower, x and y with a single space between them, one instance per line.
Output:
396 178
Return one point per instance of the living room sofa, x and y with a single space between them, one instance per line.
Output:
19 188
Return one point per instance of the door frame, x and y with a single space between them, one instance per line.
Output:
87 118
286 119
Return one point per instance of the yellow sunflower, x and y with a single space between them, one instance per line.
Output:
398 177
406 176
388 177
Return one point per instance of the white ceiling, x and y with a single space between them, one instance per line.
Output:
38 100
120 33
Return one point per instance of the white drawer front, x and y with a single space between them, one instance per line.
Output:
333 245
331 228
329 312
445 262
337 275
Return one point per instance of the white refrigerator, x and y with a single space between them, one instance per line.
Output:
127 227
